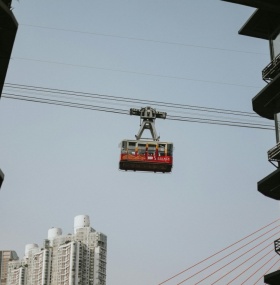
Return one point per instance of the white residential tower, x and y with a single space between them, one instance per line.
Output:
73 259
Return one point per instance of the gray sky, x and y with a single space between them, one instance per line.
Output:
60 162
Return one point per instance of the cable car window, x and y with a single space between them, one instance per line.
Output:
161 149
151 149
169 149
124 147
141 149
131 147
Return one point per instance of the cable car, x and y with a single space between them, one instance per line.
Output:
146 154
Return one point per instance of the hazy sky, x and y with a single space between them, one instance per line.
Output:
60 162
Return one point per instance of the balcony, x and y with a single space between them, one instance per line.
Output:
277 246
271 70
274 154
272 278
269 186
267 102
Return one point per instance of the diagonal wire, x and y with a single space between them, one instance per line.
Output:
224 258
267 271
243 263
185 270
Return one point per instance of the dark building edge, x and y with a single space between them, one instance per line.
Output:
8 30
265 24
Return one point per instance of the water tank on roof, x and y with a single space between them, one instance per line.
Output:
29 247
81 221
54 232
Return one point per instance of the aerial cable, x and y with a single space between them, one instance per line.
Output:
179 118
183 281
67 104
220 121
126 99
246 237
124 112
114 98
140 39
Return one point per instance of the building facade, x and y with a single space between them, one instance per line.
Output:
78 258
265 24
5 257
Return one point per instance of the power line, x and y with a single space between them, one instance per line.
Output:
140 39
135 72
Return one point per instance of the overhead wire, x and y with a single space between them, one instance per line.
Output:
139 39
126 99
66 104
42 92
134 72
125 112
135 39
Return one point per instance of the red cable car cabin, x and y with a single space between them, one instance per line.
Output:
141 155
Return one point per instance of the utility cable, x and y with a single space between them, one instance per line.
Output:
134 72
139 39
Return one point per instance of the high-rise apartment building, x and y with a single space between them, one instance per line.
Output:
5 257
78 258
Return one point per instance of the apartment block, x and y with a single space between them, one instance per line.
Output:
71 259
